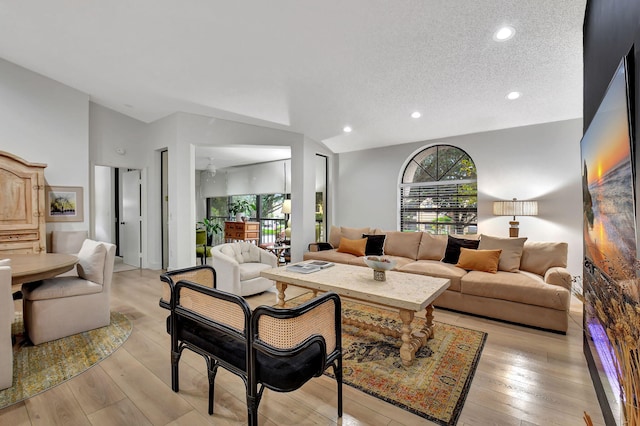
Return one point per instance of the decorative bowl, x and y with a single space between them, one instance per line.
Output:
379 263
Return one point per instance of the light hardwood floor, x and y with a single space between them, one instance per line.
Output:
525 377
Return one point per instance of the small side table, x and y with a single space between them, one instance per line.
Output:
279 252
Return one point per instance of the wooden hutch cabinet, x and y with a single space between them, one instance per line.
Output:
22 206
242 231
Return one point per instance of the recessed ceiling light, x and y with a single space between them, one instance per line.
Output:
512 96
416 114
504 33
347 129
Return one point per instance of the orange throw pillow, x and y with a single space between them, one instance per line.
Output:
479 260
355 247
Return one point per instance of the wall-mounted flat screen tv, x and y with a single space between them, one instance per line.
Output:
609 228
608 182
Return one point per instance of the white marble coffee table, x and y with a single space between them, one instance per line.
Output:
408 293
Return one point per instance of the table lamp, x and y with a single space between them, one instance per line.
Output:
515 208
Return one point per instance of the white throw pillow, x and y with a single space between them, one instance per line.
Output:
5 262
91 261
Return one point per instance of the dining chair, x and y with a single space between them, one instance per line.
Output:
66 305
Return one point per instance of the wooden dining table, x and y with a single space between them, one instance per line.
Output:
33 267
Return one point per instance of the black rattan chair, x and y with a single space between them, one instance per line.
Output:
278 349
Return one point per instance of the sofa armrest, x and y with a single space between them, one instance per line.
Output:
558 276
227 272
268 258
321 246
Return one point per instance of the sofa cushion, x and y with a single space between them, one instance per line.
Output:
353 233
289 373
375 245
399 260
330 256
56 288
432 247
452 253
519 286
479 260
251 270
91 258
435 268
354 247
402 244
334 236
511 250
537 257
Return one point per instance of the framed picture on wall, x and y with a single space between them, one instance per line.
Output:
64 204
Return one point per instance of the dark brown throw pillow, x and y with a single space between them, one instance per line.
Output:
452 253
375 244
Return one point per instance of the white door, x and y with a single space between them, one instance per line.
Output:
131 220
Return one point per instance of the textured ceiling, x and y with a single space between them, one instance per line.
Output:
312 66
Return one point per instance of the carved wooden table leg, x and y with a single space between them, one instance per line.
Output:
428 326
281 288
410 343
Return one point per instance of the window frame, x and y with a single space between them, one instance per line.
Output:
456 194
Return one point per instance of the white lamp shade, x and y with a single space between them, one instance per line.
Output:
515 208
286 206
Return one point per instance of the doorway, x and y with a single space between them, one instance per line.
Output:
130 227
117 215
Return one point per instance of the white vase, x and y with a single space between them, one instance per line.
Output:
239 217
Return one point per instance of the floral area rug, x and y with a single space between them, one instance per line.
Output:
434 387
41 367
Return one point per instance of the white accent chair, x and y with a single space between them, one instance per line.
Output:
7 312
66 305
68 242
238 266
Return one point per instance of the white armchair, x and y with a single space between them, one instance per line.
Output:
66 305
7 312
238 266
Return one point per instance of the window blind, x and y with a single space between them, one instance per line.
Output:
444 207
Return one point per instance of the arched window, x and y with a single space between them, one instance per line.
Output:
439 192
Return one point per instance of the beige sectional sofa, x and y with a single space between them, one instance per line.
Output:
531 286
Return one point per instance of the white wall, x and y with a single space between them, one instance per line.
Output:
104 206
109 130
180 133
539 162
162 136
263 178
116 140
43 121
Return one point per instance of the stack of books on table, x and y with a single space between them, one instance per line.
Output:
310 266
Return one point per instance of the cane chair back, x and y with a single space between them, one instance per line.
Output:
202 274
